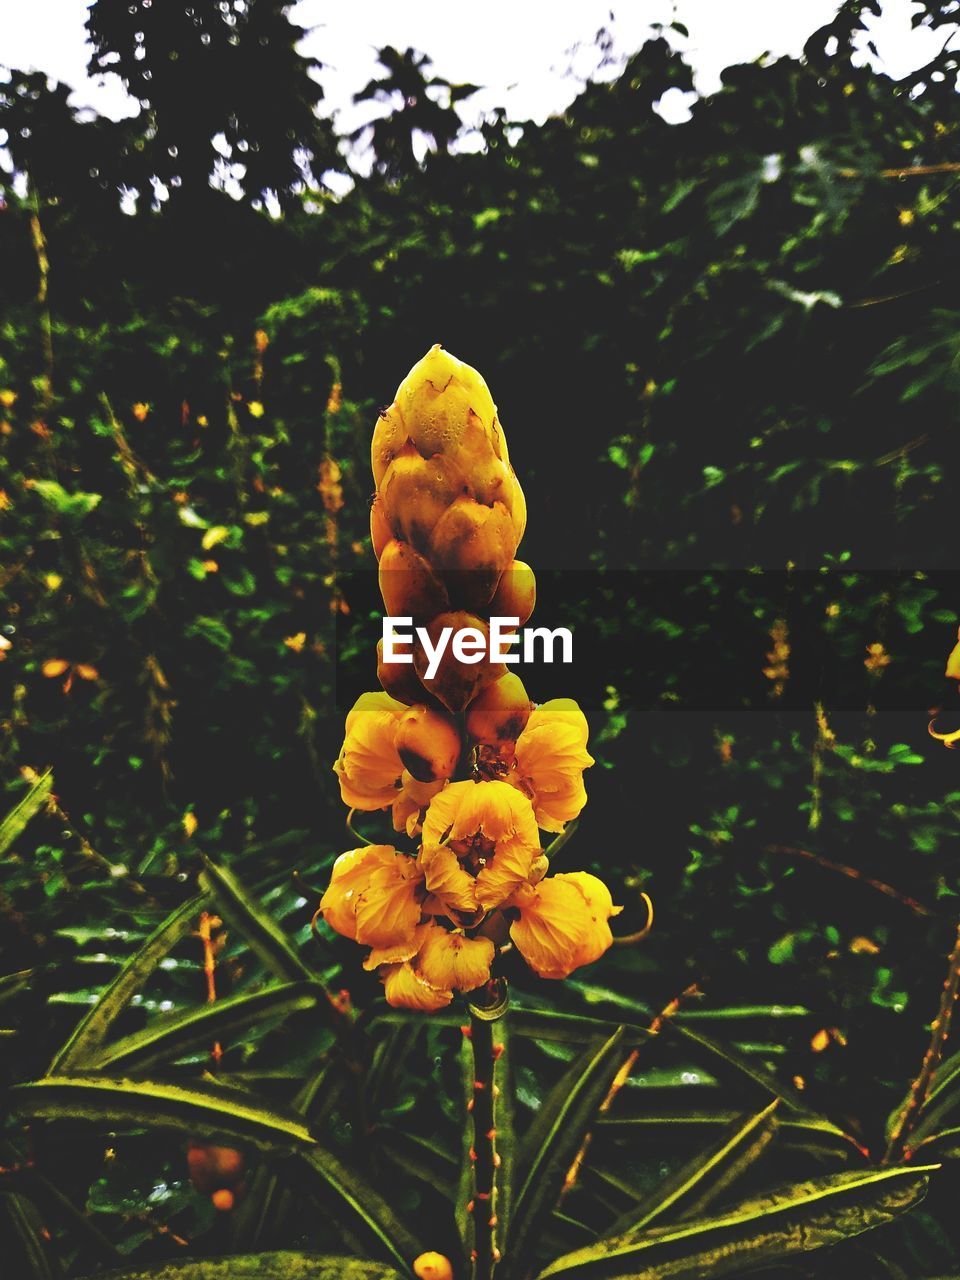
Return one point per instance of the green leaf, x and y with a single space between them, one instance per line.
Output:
808 1131
74 506
90 1033
552 1142
13 983
287 1265
568 1028
698 1183
732 1066
190 1108
242 913
357 1209
770 1228
168 1039
29 1256
27 807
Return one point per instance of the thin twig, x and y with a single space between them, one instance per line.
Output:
920 1089
853 874
621 1078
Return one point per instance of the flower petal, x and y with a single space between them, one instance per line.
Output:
369 765
447 880
450 960
404 989
350 877
563 923
509 867
388 909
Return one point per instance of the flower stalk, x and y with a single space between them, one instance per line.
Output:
482 1207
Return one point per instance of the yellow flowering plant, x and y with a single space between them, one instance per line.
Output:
468 765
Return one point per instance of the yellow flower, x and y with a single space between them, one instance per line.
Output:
491 828
877 658
451 961
255 408
551 755
450 888
563 923
374 897
369 767
410 802
405 989
140 410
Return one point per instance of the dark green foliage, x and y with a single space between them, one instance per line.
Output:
725 355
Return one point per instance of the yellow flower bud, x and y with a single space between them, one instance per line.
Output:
432 1266
428 743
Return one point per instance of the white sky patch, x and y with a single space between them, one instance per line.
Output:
531 57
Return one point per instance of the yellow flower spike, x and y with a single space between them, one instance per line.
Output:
451 960
349 879
368 766
432 1266
563 923
405 989
551 755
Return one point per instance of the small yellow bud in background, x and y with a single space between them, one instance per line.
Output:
189 823
140 410
255 409
432 1266
8 398
861 946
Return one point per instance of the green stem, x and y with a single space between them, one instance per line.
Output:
483 1206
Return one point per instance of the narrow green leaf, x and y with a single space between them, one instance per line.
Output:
12 983
259 1266
773 1227
569 1028
90 1033
194 1109
168 1039
359 1211
30 1255
552 1142
242 913
809 1131
731 1065
26 808
694 1186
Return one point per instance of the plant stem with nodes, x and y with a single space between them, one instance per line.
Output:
483 1153
920 1089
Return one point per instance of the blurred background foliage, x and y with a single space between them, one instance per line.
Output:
726 356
